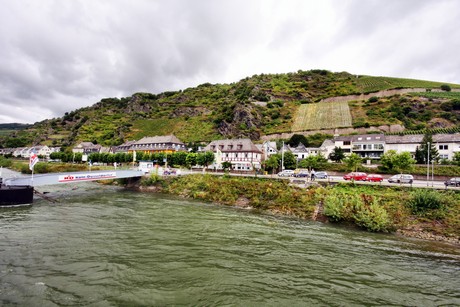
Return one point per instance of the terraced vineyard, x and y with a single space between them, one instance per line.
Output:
369 84
323 115
445 95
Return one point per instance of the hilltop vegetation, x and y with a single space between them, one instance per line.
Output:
255 106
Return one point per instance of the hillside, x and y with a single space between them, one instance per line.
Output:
254 107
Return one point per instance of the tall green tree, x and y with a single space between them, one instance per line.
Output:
421 153
272 163
353 161
289 160
337 155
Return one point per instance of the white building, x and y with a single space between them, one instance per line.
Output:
241 153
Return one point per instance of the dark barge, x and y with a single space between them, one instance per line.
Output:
16 195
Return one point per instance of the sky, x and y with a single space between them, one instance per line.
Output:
60 55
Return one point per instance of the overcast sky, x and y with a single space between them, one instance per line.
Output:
60 55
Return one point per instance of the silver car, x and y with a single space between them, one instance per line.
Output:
321 175
401 178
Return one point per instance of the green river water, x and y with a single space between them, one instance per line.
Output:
103 246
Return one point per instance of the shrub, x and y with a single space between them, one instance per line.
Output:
372 217
373 99
151 180
362 210
5 162
446 88
423 200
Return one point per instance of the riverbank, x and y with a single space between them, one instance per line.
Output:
398 210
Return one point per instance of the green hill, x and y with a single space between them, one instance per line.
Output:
253 107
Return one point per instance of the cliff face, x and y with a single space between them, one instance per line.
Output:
246 122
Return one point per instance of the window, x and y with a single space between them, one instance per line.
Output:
443 147
346 142
359 139
442 157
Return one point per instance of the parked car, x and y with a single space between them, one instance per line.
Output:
286 173
355 176
401 178
453 181
302 174
374 178
321 175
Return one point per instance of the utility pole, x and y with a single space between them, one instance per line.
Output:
282 157
428 164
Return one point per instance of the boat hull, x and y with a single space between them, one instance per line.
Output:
16 195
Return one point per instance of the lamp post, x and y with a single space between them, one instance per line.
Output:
428 164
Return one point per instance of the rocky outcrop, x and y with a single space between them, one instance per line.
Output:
245 123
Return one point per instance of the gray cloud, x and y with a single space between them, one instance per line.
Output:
56 56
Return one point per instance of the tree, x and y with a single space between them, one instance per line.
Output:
421 153
403 162
313 161
353 161
337 154
456 158
272 163
289 160
296 139
205 159
398 162
227 165
191 159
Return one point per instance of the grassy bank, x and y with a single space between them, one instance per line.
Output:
373 208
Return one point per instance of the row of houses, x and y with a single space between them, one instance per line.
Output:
243 154
25 152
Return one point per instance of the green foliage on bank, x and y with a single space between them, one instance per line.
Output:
264 194
373 208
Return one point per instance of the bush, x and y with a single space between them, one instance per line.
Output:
151 180
372 217
423 200
4 162
373 99
446 88
362 210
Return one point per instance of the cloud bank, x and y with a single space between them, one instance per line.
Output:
57 56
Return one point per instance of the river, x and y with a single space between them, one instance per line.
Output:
104 246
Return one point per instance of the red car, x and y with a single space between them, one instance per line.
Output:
357 176
374 178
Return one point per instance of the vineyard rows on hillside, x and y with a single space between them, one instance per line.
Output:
369 84
323 115
444 95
